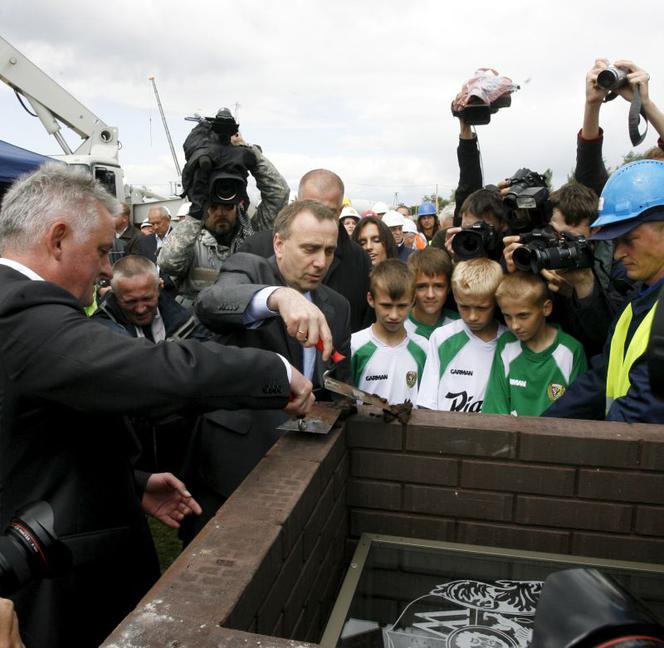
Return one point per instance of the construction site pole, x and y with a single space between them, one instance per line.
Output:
168 133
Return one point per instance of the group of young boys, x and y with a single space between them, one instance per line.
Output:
465 361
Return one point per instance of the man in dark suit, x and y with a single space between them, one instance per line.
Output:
149 246
278 304
348 273
126 231
67 382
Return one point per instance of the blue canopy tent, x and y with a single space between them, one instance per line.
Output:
15 161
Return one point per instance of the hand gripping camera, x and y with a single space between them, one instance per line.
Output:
543 250
478 240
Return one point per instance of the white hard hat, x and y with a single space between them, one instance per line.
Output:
349 212
379 208
183 210
393 218
409 227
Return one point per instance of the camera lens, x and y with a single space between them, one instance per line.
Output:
29 549
468 245
525 259
611 78
225 190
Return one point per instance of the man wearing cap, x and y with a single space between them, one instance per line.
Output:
379 208
197 248
427 220
395 221
617 388
349 218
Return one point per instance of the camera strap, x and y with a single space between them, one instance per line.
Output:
635 111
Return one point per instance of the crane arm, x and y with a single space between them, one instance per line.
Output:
52 103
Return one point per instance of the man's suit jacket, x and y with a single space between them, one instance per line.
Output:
65 385
221 309
131 238
348 273
230 444
147 247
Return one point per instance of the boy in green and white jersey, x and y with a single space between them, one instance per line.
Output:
460 353
432 268
535 361
384 360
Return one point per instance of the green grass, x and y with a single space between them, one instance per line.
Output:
167 542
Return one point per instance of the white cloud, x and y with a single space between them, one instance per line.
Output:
363 88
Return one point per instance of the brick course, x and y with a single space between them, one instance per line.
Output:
273 558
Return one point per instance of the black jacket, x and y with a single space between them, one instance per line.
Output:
66 383
229 444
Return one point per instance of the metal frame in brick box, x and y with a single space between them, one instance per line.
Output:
269 564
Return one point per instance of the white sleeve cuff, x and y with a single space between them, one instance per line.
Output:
289 369
257 310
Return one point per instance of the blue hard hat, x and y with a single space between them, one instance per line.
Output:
427 208
631 190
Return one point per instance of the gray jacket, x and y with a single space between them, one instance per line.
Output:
192 256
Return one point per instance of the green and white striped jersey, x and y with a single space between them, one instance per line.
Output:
392 372
416 328
457 369
525 383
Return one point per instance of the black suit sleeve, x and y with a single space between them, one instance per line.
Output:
221 307
52 351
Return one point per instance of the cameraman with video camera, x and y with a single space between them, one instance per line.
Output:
483 215
199 244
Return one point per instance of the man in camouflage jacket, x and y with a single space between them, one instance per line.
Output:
196 249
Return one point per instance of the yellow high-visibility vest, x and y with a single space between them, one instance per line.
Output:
621 361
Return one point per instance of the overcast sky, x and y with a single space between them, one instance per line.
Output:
362 88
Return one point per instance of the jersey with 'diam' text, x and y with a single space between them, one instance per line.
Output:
457 369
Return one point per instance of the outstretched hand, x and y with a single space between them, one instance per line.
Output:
167 499
637 78
304 321
595 94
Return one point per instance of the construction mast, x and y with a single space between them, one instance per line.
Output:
163 119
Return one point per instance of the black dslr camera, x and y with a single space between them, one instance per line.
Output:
478 240
543 250
527 190
30 549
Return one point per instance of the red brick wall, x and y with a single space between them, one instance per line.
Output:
270 562
555 485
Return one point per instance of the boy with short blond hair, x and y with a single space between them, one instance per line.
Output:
432 268
535 361
384 360
461 352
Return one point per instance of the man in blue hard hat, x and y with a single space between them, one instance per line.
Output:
427 220
617 387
